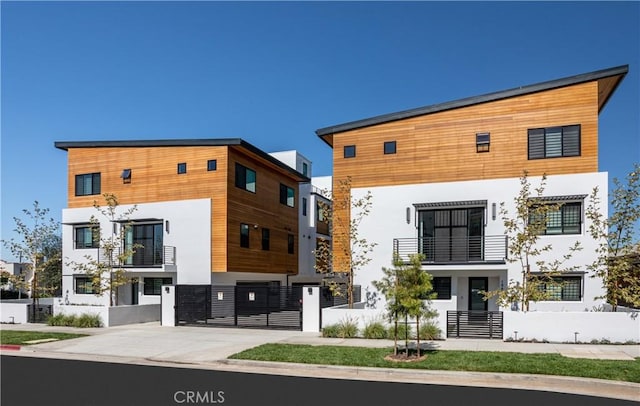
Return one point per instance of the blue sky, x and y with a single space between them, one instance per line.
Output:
274 72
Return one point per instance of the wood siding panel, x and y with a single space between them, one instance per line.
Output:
263 209
440 147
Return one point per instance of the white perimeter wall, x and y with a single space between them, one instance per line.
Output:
387 221
189 231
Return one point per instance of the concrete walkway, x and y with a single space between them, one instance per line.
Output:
208 348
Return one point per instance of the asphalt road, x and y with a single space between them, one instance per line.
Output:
36 381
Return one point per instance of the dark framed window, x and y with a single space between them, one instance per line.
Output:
266 235
287 195
146 240
126 176
244 235
482 142
245 178
566 220
290 243
563 288
554 142
305 169
153 286
389 147
442 287
349 151
86 236
88 184
304 206
182 167
83 286
212 165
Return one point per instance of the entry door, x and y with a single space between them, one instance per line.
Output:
477 285
134 291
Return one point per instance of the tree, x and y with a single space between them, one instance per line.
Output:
50 279
407 289
523 231
618 253
34 233
348 251
106 269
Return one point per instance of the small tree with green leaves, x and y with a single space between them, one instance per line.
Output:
618 252
348 251
407 289
34 232
523 229
106 270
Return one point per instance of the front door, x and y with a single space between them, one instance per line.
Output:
476 299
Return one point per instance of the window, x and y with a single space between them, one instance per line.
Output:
565 288
126 176
305 169
244 235
349 151
287 195
88 184
290 243
84 286
554 142
153 286
482 142
304 206
182 167
442 287
212 165
147 242
85 237
390 147
566 220
245 178
266 234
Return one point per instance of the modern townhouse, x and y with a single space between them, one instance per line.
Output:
439 173
208 212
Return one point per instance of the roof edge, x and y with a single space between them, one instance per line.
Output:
468 101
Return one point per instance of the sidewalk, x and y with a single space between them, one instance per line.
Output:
208 348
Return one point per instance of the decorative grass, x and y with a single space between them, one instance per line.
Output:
16 337
480 361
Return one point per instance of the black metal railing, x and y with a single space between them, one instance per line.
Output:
490 248
339 297
474 324
141 258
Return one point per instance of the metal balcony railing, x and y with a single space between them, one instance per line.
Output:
481 249
141 258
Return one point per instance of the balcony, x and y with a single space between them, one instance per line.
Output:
453 250
143 258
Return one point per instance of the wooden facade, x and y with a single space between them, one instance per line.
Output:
438 143
154 178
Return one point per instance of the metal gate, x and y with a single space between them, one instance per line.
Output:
261 306
474 324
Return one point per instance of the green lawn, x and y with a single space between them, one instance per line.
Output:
482 361
21 337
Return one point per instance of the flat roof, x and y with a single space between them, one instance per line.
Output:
203 142
608 88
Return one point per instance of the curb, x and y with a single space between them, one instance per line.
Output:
12 347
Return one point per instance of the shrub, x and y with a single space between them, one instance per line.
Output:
347 328
71 320
375 330
330 331
430 331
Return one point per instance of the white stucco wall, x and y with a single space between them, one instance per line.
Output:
189 230
387 220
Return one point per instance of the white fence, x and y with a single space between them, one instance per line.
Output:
116 315
563 326
16 310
